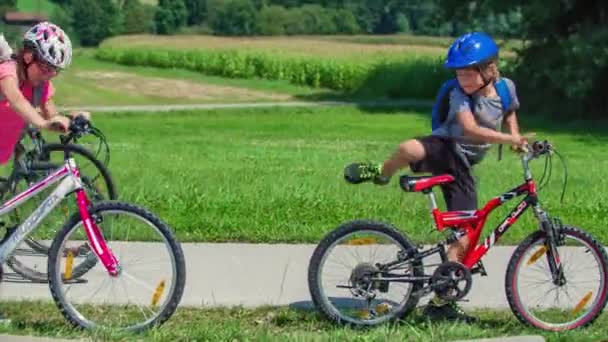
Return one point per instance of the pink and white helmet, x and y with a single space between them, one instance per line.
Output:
50 43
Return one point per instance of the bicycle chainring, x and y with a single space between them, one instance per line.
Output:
451 281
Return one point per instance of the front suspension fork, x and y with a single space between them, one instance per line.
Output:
551 243
96 239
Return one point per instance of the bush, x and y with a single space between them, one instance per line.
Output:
566 77
170 16
96 20
272 20
137 17
346 22
232 17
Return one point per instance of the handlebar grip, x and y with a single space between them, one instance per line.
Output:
79 125
541 147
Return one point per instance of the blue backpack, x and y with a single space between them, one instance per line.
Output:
441 107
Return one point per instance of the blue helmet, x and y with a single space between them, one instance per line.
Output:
471 49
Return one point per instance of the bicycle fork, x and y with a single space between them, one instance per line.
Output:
555 265
96 239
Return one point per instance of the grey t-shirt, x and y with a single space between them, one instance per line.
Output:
488 113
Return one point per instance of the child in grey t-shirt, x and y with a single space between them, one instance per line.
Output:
474 122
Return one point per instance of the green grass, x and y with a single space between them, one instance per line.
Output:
37 6
275 175
285 324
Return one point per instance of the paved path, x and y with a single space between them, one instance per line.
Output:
252 275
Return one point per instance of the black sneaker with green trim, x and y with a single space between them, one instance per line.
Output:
439 310
357 173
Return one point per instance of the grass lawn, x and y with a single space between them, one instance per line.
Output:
36 6
275 175
286 324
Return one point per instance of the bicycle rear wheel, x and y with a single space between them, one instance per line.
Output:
346 282
574 302
152 274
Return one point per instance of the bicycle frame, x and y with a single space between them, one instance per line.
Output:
473 221
69 178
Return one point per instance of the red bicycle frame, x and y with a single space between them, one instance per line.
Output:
472 222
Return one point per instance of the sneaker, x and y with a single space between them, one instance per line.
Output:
439 310
362 172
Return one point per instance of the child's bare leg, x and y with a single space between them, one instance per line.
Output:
456 250
408 152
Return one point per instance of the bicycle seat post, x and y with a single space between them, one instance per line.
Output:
432 200
432 204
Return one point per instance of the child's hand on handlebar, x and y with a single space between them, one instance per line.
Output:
520 142
58 124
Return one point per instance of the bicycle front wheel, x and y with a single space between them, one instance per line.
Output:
152 274
579 296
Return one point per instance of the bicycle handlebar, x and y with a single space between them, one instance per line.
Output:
536 149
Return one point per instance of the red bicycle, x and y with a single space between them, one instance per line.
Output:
367 273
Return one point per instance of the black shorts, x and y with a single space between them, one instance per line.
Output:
441 158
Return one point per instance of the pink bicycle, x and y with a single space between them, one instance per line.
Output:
135 268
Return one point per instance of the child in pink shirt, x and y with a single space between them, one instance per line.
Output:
25 84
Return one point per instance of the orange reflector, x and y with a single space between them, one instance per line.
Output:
158 292
69 262
362 241
540 252
581 305
383 308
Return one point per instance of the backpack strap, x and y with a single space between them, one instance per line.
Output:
442 103
504 93
441 107
505 99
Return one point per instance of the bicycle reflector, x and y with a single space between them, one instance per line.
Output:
582 303
362 241
69 263
540 252
160 288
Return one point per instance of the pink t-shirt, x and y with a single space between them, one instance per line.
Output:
11 123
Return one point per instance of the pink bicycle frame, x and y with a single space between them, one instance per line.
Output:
69 175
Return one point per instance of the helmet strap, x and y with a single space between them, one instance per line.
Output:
486 80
